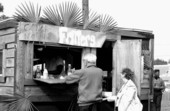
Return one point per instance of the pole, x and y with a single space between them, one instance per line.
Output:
85 7
150 100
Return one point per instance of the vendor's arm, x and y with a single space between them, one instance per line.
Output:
74 77
111 98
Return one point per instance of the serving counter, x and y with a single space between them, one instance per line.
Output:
50 81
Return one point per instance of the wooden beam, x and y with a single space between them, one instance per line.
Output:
114 72
28 61
7 31
151 92
7 38
8 24
11 45
20 77
130 34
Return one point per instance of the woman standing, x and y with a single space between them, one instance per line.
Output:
127 99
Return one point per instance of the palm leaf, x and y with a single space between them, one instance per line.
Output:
51 14
107 23
92 22
28 13
19 103
70 14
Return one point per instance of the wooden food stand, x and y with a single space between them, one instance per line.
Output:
24 45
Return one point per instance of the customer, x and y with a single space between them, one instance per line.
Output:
89 84
159 87
127 99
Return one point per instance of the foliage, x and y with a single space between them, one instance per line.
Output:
28 13
1 8
107 23
159 62
92 22
19 103
66 14
3 17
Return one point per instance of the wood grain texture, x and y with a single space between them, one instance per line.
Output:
8 82
6 90
10 53
9 71
128 55
7 31
20 77
7 38
11 45
28 61
2 46
10 62
51 93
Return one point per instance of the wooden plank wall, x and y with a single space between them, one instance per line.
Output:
42 92
127 54
147 52
8 38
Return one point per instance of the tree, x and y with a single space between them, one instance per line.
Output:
2 16
160 62
1 8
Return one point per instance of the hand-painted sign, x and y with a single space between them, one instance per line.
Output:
62 35
80 37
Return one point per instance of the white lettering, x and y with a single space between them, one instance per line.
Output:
92 41
75 37
62 34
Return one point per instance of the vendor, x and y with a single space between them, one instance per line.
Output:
55 65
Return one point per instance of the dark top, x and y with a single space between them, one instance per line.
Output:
159 85
90 84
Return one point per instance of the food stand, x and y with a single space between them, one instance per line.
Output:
25 46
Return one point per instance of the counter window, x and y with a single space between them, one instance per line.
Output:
56 59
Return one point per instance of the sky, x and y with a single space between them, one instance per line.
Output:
152 15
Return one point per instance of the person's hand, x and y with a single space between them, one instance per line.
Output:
61 77
111 98
73 70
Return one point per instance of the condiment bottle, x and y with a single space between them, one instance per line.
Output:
38 72
45 73
69 69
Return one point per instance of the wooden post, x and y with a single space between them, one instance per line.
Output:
85 7
114 70
151 48
20 76
28 62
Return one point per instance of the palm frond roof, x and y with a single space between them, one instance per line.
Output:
66 14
